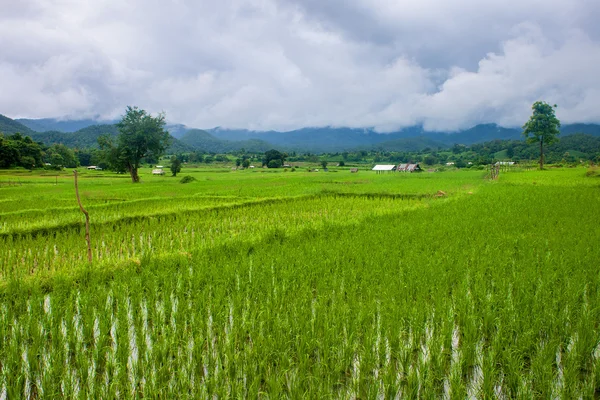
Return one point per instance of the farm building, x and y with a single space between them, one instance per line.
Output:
158 171
381 168
409 168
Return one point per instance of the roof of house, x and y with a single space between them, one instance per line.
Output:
384 167
408 167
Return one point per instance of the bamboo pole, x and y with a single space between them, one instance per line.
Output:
87 221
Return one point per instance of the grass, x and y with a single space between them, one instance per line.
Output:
303 285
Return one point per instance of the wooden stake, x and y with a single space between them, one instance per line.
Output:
87 221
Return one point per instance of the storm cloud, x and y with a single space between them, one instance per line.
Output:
266 64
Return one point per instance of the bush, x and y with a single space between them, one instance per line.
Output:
187 179
274 164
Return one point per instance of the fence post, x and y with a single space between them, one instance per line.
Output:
87 220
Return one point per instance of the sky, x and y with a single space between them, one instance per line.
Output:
286 64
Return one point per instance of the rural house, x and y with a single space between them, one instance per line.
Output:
409 168
381 168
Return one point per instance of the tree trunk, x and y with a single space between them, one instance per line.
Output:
133 171
541 154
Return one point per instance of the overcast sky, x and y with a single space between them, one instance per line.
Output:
266 64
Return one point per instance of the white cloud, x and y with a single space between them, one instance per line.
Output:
263 64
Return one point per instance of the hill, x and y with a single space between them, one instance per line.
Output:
204 141
53 124
88 138
409 144
312 139
9 126
330 139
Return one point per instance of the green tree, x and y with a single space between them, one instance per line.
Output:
175 165
324 164
542 127
246 163
9 154
140 135
61 156
275 163
276 156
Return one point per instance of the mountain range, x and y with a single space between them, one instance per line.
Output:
84 133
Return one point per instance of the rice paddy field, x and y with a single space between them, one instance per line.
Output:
256 284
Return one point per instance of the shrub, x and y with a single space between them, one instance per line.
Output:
187 179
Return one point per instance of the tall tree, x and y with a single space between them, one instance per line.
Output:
175 165
542 127
140 135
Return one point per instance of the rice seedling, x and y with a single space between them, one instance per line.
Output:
314 292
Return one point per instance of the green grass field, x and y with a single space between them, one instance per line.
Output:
246 284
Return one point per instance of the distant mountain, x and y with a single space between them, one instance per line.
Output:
314 140
177 130
88 137
477 134
408 144
204 141
57 125
83 138
52 124
9 126
328 139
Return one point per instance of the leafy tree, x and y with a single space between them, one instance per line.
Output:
275 163
9 154
61 156
342 163
510 152
542 127
430 159
277 157
140 135
19 150
324 164
175 165
246 163
460 163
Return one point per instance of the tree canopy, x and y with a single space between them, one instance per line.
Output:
542 127
274 158
140 135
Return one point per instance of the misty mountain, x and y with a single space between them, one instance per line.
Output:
67 125
9 126
204 141
314 140
88 138
330 139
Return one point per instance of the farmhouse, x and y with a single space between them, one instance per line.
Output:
409 168
158 171
92 167
381 168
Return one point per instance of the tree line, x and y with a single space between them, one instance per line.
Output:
17 150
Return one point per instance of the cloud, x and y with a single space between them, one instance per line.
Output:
266 64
